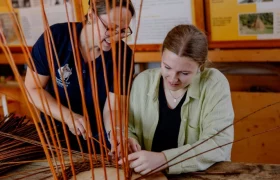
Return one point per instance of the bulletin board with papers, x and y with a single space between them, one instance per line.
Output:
243 23
160 16
29 15
157 18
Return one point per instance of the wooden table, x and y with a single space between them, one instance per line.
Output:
234 171
219 171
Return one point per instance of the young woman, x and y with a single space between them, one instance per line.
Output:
111 25
178 106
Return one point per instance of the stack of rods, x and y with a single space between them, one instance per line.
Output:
12 150
20 145
56 150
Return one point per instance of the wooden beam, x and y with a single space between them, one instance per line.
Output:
18 57
146 57
260 55
248 55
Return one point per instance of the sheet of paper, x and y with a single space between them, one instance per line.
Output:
7 30
32 21
158 17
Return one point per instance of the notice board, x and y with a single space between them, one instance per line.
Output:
243 23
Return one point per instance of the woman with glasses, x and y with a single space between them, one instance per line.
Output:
181 108
93 38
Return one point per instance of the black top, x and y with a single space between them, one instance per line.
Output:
167 131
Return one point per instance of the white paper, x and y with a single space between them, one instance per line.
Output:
32 21
158 17
7 29
36 3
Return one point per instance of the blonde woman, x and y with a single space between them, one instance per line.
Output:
179 105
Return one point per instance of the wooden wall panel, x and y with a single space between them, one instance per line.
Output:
264 148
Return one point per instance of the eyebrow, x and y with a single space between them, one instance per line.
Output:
166 64
178 71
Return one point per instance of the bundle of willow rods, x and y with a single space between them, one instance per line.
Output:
12 151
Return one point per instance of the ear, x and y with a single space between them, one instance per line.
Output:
90 16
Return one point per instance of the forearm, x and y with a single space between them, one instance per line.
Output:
114 120
114 113
47 104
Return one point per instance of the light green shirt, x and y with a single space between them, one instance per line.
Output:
206 110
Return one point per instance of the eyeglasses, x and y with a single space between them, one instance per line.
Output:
123 32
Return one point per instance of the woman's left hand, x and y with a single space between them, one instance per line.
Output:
145 161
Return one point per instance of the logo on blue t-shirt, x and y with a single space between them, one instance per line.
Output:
64 74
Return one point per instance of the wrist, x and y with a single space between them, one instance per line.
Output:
117 131
67 117
163 160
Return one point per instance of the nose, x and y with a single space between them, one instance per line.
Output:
114 38
173 77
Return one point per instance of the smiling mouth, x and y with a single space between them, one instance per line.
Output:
106 42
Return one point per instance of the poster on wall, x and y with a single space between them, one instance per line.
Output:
244 20
7 30
29 15
158 17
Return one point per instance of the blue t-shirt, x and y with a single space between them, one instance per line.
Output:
63 46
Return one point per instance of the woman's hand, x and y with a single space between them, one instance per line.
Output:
145 161
133 146
79 122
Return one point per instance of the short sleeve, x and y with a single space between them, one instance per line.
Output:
39 57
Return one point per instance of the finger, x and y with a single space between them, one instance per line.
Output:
130 150
84 136
121 161
133 156
75 132
80 128
135 163
72 131
119 151
146 171
114 145
132 146
138 147
83 123
140 168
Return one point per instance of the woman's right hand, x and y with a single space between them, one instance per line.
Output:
133 146
79 122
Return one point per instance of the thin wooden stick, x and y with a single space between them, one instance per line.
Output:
26 52
9 56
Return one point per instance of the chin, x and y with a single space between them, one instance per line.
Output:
172 88
106 47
